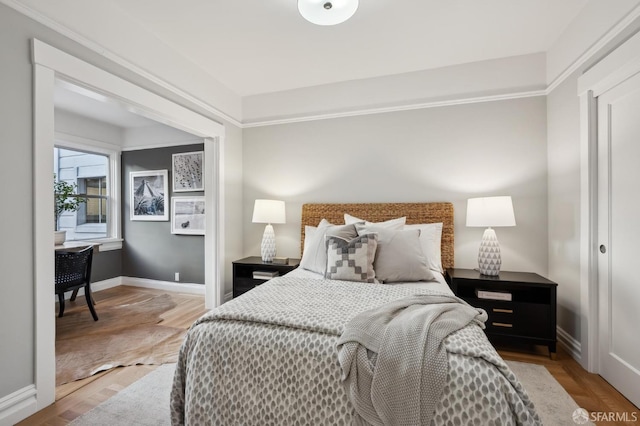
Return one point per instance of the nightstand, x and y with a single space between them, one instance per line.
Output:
243 272
521 306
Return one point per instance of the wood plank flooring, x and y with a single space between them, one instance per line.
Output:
590 391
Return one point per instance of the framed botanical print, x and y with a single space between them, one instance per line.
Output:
188 171
187 215
148 189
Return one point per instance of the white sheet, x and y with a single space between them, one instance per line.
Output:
439 285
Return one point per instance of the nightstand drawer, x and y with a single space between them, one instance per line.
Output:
522 306
512 318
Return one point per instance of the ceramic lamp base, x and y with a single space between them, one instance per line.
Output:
489 260
268 246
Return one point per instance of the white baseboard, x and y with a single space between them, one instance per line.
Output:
96 286
164 285
18 405
570 344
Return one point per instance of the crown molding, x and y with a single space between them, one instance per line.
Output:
406 107
601 43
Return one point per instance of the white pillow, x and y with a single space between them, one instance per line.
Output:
430 240
389 224
314 255
399 257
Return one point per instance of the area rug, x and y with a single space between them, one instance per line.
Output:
126 334
146 402
553 404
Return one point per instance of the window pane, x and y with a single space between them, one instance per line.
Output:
88 172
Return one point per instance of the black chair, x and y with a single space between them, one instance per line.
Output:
73 272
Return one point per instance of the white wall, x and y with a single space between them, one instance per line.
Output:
563 120
436 154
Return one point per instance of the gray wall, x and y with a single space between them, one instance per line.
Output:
149 249
437 154
106 265
16 138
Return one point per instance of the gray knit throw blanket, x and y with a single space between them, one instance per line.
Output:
394 363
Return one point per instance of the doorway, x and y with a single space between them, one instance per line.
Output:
610 98
51 64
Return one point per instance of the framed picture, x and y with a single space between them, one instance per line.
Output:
188 171
187 215
148 189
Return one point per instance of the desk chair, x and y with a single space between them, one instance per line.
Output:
73 272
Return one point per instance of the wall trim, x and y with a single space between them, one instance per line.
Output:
602 42
18 405
176 287
97 48
228 296
570 344
397 108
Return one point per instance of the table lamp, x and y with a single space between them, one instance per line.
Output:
268 211
490 212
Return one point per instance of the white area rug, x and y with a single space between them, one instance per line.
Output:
143 403
553 404
146 402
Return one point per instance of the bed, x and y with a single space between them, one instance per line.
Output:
283 353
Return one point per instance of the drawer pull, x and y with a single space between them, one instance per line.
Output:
503 311
501 324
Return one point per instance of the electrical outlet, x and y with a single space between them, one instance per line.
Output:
177 276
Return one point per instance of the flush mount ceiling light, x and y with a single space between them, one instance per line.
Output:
327 12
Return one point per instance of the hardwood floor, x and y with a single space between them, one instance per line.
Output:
75 398
590 391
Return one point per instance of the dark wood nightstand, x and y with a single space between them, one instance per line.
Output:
529 315
243 272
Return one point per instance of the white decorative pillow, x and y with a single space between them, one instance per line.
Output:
351 260
399 257
389 224
314 256
431 240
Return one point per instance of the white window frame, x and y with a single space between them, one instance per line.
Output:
113 241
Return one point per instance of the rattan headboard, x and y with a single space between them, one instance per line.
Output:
312 214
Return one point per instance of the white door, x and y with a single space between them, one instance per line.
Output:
619 236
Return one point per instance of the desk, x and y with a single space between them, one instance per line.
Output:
71 245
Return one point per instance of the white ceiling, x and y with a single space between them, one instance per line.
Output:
260 46
86 103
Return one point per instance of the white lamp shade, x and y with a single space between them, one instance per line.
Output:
327 12
269 211
490 212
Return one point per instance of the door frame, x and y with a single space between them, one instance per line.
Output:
51 64
616 67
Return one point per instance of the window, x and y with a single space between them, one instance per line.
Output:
94 210
95 172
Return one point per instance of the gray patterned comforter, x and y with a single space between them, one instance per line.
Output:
269 358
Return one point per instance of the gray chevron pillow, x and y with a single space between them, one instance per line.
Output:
351 260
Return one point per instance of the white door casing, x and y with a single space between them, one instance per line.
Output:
620 65
51 64
618 236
